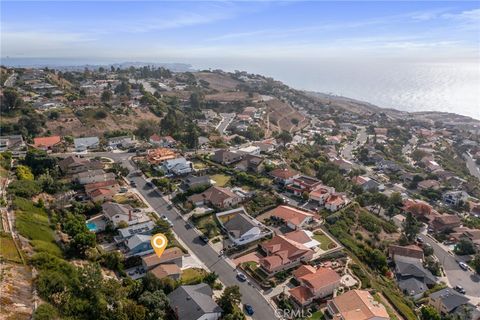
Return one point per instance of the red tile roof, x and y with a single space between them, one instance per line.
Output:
42 142
290 214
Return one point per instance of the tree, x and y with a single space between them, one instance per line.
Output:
476 263
231 297
119 170
10 101
146 128
411 228
427 250
285 137
106 96
464 247
210 228
429 313
82 242
432 265
210 278
24 173
155 304
45 311
196 100
395 199
24 188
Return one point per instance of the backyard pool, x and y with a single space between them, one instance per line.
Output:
92 226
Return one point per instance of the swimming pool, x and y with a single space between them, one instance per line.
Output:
92 226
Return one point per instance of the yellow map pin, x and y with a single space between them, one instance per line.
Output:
159 243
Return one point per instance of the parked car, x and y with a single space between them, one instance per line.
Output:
419 240
203 238
150 184
459 289
463 265
241 277
248 309
188 225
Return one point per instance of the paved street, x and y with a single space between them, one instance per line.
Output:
359 141
226 119
226 272
471 165
456 275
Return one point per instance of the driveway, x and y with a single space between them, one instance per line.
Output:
226 273
456 275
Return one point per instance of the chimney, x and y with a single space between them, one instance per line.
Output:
129 215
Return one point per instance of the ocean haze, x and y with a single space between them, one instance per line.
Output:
403 85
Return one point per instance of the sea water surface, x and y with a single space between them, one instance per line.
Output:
407 86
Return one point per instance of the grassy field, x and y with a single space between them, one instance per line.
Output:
325 242
130 199
201 222
8 251
220 179
192 275
32 223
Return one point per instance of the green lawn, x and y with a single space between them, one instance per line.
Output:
220 179
201 222
8 251
325 242
32 223
192 275
317 316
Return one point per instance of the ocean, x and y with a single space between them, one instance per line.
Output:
403 85
407 86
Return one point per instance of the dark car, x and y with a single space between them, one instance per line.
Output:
132 183
150 184
204 238
241 277
459 289
188 225
249 310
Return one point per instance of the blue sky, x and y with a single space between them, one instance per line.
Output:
268 30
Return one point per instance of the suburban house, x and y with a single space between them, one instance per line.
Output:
138 245
157 156
294 218
194 302
15 144
314 284
47 143
193 182
445 222
83 144
226 157
93 176
335 202
251 163
75 164
321 194
472 235
283 254
240 227
284 176
121 142
412 277
177 166
304 237
216 196
250 150
303 184
454 198
100 195
366 183
117 213
169 256
411 251
356 305
447 300
170 270
144 228
429 184
164 142
111 185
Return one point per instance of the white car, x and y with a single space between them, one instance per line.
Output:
463 265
